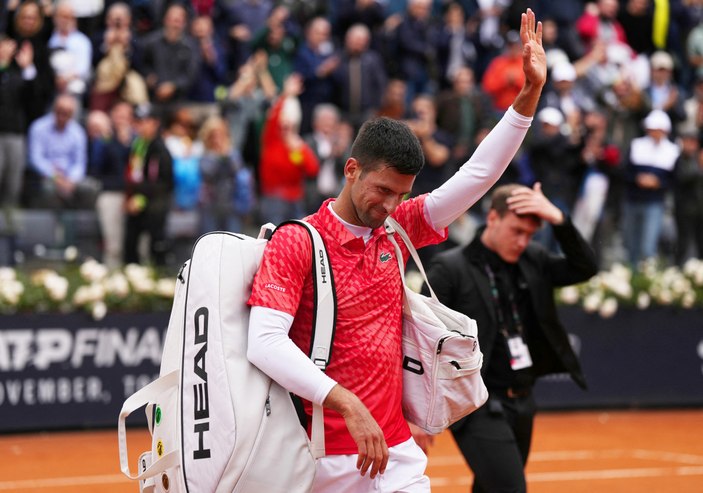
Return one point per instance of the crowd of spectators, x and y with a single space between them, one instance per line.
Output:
244 110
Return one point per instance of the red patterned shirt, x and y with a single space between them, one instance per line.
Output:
366 352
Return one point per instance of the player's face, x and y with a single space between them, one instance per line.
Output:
508 236
376 194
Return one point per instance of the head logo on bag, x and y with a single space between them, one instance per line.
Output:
201 411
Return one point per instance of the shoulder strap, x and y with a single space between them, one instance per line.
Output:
392 227
324 322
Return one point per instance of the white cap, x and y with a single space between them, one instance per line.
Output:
657 120
551 116
661 59
563 71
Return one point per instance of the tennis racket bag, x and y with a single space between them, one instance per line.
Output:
218 423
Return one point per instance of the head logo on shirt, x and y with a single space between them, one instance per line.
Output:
385 257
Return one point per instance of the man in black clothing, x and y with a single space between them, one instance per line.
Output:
506 282
148 188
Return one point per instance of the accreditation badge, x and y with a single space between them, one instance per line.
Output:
519 353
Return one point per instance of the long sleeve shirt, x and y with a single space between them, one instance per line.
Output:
53 151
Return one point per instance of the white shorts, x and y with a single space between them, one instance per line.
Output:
405 473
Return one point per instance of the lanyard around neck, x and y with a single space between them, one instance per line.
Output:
495 296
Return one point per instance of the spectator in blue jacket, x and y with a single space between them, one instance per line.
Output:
649 177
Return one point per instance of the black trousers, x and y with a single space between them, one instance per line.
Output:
152 222
495 441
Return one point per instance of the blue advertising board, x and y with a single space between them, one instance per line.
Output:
69 371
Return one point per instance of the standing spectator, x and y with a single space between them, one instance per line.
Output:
417 38
110 171
29 28
286 160
58 154
456 48
315 62
568 97
367 12
649 177
504 78
637 21
663 93
360 78
115 78
17 86
323 142
212 72
117 18
227 188
170 59
436 146
181 140
693 107
279 40
506 283
248 99
554 162
688 197
89 14
149 185
462 111
71 52
394 101
238 24
599 23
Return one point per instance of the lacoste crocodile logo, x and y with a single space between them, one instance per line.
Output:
385 257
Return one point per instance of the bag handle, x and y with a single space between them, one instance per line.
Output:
147 394
324 323
392 227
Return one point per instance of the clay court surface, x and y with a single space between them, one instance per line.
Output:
593 452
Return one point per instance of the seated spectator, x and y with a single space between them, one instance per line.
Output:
286 160
169 59
360 78
227 192
148 189
71 52
58 154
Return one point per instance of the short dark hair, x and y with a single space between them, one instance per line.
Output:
499 200
384 141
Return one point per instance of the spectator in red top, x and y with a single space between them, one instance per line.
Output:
599 22
286 160
504 77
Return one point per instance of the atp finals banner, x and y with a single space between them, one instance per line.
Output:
67 371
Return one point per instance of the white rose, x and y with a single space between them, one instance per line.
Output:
99 310
643 301
608 308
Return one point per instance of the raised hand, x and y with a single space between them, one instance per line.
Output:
526 201
534 59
